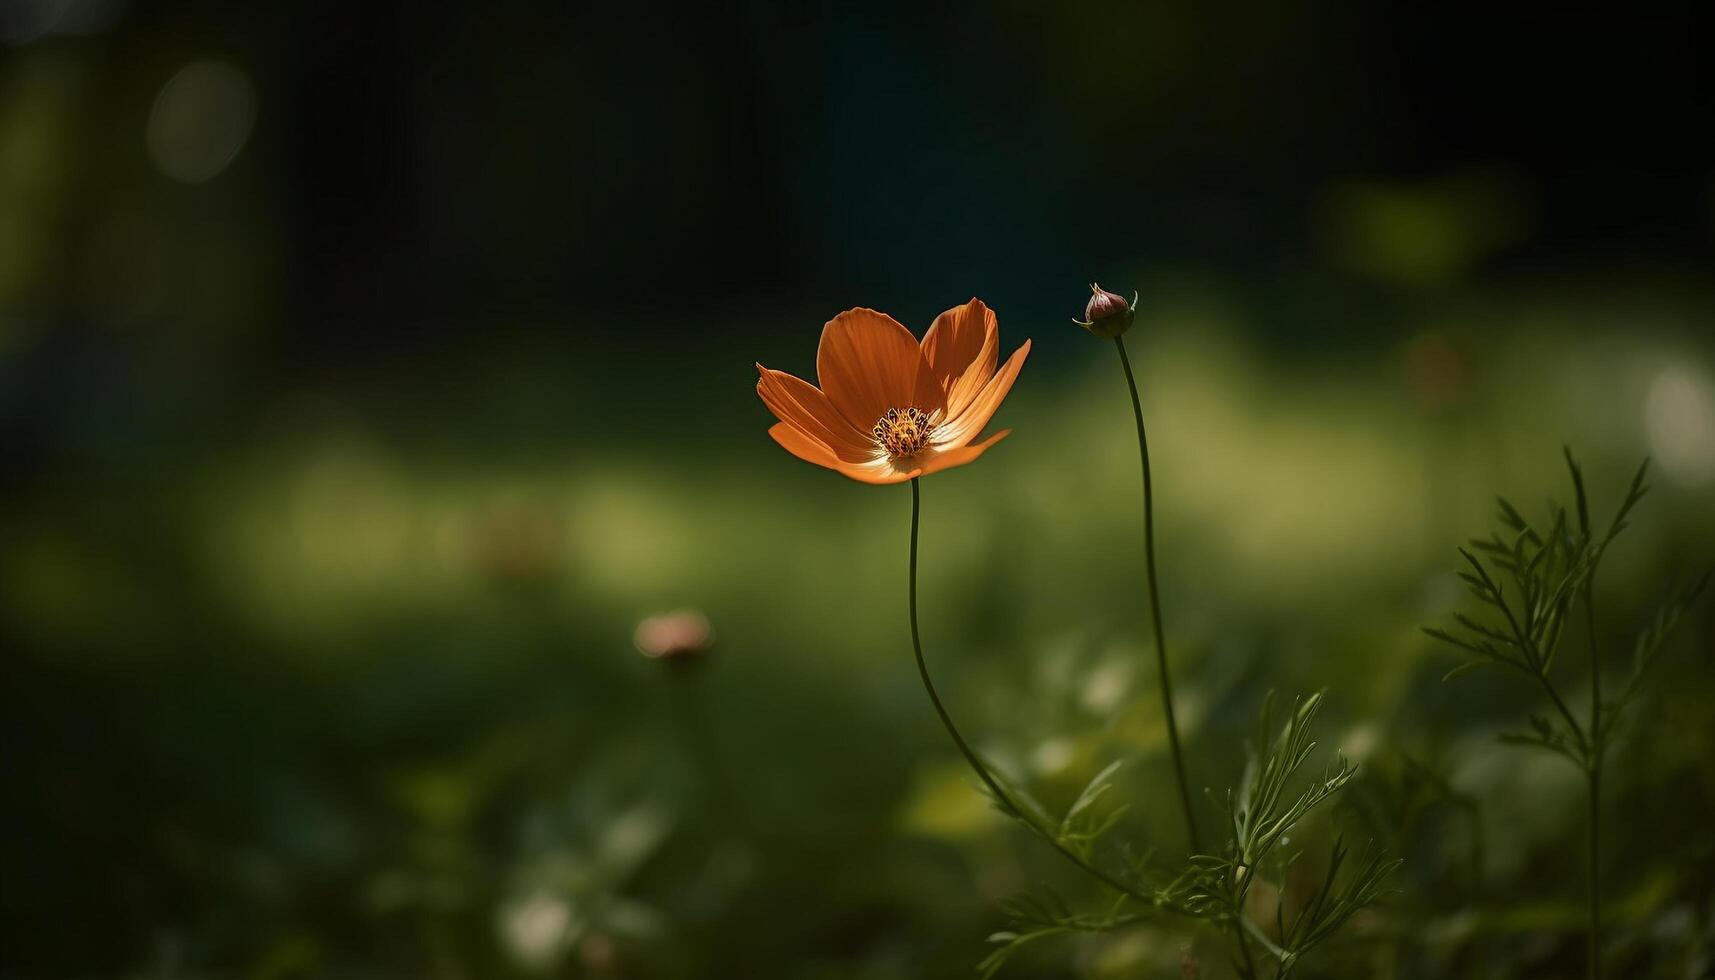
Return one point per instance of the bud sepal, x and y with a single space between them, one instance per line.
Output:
1107 315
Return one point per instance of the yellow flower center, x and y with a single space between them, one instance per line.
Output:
903 432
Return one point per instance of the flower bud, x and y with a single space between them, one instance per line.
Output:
677 638
1107 315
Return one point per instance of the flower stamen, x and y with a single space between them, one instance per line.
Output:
903 432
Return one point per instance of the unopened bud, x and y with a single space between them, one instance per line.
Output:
677 638
1107 315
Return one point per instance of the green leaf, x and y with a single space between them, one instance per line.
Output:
1462 669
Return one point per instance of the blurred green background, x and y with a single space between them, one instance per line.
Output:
368 373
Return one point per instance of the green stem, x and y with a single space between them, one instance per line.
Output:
1595 774
1566 713
1155 604
1161 645
965 749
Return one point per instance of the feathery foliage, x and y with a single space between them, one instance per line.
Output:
1270 803
1529 578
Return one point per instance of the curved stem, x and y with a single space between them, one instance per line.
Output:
1595 773
1239 921
1155 604
976 764
1565 712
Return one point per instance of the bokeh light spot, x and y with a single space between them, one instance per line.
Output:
1424 233
1679 420
24 21
201 120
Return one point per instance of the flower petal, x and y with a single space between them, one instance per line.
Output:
962 347
959 456
801 405
802 446
883 470
877 471
967 425
868 363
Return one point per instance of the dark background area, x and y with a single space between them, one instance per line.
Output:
416 168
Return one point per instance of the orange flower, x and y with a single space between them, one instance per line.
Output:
890 409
